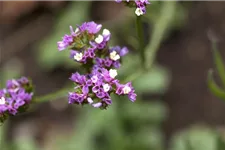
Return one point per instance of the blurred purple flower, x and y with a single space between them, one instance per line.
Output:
15 97
139 4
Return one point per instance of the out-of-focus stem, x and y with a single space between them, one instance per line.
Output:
140 34
52 96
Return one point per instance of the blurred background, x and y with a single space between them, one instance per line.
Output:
175 110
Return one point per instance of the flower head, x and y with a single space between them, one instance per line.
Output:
15 97
90 48
80 37
139 4
95 88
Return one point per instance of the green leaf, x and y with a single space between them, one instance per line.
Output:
91 122
219 63
155 80
196 138
220 142
145 139
151 112
48 54
202 139
25 143
213 86
178 142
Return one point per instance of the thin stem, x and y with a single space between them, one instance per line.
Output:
52 96
140 34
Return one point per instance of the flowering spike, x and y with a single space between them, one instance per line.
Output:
90 48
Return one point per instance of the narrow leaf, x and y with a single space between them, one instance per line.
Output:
214 88
219 63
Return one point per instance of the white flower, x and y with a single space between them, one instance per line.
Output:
126 89
106 32
94 79
99 39
106 87
2 100
90 101
112 73
114 56
77 30
97 105
139 12
78 56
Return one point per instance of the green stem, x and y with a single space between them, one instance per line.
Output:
140 34
52 96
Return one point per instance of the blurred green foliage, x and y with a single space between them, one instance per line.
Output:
198 137
12 69
48 54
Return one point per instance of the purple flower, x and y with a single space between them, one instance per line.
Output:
94 79
139 4
90 48
95 88
17 94
77 78
118 50
132 96
108 101
108 62
12 85
126 89
23 80
82 56
75 98
90 27
118 1
100 94
66 41
81 37
19 103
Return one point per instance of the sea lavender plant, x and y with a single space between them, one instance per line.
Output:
89 47
15 97
140 5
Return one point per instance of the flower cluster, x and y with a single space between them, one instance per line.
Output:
139 4
15 98
89 46
95 88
